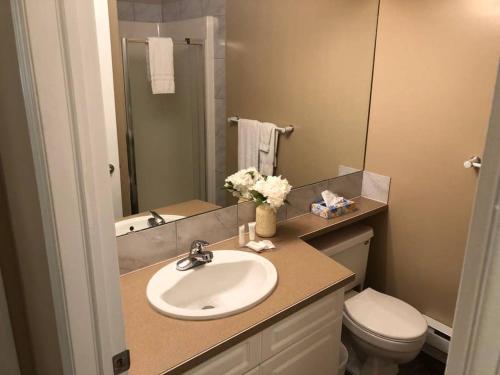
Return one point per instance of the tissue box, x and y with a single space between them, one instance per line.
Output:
319 208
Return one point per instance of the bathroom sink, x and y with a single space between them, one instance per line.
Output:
233 282
139 223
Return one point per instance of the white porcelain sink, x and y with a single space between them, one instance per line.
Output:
139 223
233 282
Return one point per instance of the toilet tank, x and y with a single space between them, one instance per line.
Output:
348 246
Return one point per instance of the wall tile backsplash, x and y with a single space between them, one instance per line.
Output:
137 250
348 186
140 249
213 226
376 186
300 199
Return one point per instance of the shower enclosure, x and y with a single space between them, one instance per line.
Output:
166 132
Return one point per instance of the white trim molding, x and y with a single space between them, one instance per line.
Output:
64 99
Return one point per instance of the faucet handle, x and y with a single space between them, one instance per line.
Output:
197 246
157 218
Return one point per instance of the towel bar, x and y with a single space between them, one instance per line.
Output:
286 130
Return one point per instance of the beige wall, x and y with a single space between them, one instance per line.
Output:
121 124
435 69
306 63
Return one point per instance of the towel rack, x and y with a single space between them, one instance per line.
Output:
286 130
177 42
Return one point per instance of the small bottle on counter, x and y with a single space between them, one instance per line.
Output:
251 231
241 235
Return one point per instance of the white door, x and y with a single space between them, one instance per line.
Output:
475 345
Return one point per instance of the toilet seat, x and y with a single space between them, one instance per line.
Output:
384 321
382 342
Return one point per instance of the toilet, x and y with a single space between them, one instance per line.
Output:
382 331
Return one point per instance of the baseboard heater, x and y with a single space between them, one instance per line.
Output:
438 339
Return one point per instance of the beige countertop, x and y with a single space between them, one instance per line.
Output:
159 344
187 208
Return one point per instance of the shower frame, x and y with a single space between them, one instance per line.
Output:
134 197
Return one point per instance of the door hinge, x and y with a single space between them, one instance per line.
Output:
121 362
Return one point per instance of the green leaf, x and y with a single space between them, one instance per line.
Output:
258 197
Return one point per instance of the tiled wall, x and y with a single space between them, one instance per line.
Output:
168 10
175 10
137 250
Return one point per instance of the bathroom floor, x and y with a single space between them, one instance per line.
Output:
424 364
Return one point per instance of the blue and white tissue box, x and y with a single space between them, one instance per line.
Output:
320 208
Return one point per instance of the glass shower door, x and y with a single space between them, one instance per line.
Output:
168 130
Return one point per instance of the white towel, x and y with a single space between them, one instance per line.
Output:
266 133
248 143
267 148
161 65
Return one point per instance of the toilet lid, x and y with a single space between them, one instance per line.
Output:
385 316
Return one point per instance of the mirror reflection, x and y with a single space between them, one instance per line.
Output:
206 88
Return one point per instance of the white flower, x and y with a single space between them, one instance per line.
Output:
241 182
271 190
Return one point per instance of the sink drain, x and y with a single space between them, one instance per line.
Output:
208 307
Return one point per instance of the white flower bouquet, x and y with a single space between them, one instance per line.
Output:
268 192
241 182
271 190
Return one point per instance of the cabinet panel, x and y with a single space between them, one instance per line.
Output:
301 324
316 354
234 361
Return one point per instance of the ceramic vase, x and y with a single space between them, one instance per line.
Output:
265 218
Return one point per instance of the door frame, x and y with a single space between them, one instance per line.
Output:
65 99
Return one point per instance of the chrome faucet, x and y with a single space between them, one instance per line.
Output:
197 256
155 220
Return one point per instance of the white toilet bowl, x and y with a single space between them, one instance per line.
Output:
384 329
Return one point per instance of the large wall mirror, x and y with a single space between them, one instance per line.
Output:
303 66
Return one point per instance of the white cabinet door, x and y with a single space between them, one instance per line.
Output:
235 361
317 354
301 324
306 342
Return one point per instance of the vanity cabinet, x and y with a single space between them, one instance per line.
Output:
317 354
306 341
